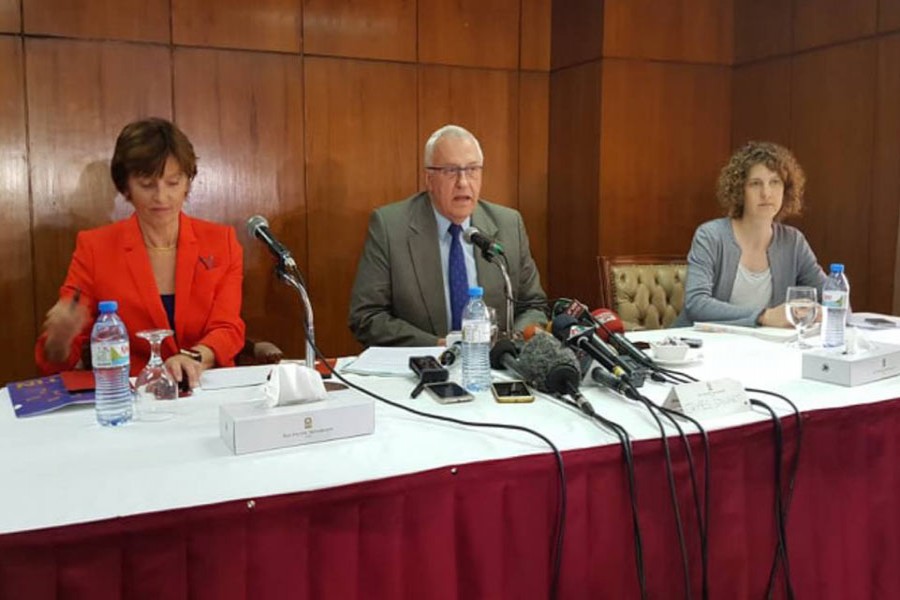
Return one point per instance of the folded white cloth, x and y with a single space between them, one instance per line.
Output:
291 383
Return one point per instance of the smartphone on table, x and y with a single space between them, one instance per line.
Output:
512 391
448 392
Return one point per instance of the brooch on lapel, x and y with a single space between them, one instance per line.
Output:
208 261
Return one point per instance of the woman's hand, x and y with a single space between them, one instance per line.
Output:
774 317
181 366
63 322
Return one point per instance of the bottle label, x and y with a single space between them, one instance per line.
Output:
106 355
476 332
834 299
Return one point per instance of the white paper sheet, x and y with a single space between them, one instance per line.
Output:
389 361
231 377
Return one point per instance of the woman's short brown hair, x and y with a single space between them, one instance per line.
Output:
779 159
143 147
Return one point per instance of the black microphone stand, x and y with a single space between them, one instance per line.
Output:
287 271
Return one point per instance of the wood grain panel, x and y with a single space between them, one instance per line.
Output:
259 25
244 114
761 28
833 108
577 32
135 20
16 278
822 22
761 103
80 95
885 214
889 15
686 30
534 142
535 38
475 33
574 163
362 152
10 16
380 29
665 137
446 96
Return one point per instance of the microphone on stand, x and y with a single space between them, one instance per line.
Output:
258 227
611 329
489 248
567 330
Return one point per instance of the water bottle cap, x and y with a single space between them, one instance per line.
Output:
837 268
476 291
108 306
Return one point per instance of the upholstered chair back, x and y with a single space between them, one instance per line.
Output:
647 291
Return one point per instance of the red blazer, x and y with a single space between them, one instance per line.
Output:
111 263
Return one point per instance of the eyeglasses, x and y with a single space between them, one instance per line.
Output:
453 172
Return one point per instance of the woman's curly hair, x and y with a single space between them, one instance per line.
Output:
733 177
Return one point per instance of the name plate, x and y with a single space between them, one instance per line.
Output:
715 398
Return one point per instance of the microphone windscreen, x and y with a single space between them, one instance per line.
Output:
501 349
561 325
469 232
611 322
549 364
254 223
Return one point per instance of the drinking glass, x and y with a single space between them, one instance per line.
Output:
801 309
155 384
495 329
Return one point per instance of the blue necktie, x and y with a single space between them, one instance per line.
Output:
456 276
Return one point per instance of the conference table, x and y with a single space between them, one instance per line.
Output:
429 509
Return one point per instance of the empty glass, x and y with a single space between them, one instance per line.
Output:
155 384
801 309
494 328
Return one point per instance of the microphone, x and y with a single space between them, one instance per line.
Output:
451 354
553 369
567 330
616 384
489 248
258 227
611 329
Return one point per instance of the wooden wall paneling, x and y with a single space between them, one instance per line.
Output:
260 25
823 22
380 29
665 136
486 102
686 30
762 28
135 20
10 16
576 34
537 16
884 264
573 198
888 15
244 114
16 278
534 134
475 33
833 112
80 95
761 102
362 152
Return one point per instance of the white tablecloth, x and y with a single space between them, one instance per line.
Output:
63 468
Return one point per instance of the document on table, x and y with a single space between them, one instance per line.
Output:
772 334
389 361
873 321
230 377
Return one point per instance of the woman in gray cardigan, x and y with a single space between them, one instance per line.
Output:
740 266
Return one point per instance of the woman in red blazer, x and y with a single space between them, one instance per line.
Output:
165 269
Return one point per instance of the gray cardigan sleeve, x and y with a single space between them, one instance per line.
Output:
705 264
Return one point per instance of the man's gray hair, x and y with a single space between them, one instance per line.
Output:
450 131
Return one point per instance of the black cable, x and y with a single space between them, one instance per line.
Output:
781 547
563 493
702 516
628 454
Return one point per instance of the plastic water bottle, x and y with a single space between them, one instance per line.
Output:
835 305
476 343
111 360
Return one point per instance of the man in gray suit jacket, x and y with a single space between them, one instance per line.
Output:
402 293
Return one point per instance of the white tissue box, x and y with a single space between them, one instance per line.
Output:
880 362
253 426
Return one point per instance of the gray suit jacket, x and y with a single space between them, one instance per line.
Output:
398 295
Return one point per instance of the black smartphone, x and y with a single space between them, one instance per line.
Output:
448 392
512 391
